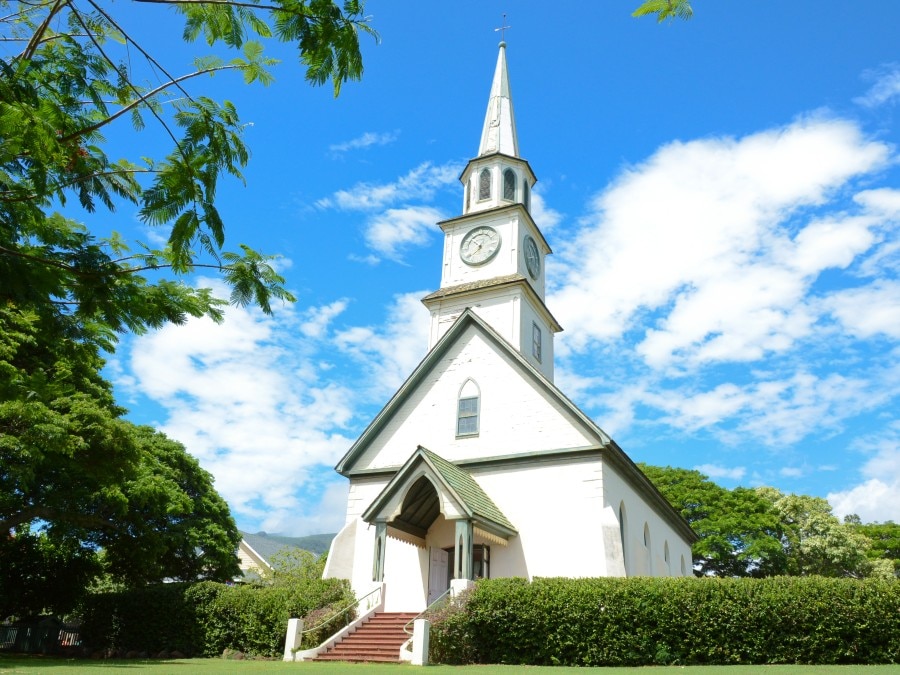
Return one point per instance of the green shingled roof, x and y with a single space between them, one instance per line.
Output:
470 493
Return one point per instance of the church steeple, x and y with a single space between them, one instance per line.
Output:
499 131
494 252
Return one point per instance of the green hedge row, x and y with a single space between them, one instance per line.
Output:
644 621
205 618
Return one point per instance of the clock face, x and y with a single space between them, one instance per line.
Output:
532 257
479 245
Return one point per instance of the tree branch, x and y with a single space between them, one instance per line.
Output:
142 99
80 179
39 33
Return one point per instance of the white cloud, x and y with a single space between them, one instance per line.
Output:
717 471
391 352
318 319
886 86
391 232
877 498
545 217
256 400
419 184
868 311
367 140
704 237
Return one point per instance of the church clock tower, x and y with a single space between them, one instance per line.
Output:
494 252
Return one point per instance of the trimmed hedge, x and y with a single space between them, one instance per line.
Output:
204 619
646 621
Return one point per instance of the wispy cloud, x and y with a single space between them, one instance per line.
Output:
715 471
716 221
419 184
885 87
367 140
256 401
395 230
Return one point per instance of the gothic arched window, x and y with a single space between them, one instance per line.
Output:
468 409
527 193
509 185
484 184
647 550
468 194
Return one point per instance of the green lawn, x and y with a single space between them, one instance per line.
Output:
35 665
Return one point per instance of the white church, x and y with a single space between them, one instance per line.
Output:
479 466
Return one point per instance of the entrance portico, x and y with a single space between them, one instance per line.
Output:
438 508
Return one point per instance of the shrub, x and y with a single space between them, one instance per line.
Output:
205 618
646 621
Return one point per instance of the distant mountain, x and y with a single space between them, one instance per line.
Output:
268 544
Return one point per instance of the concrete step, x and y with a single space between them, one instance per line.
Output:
377 640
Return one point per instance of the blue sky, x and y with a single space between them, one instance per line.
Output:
722 197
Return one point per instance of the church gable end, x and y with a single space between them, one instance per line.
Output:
517 410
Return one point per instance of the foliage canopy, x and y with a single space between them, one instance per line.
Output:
74 476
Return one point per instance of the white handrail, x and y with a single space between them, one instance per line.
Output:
422 613
356 603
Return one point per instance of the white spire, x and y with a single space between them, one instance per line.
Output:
499 133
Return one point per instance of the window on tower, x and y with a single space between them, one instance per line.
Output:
527 193
536 341
509 185
484 184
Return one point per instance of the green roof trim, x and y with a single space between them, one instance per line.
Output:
455 482
470 493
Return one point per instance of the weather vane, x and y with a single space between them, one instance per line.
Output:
503 29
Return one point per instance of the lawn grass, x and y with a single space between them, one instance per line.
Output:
32 665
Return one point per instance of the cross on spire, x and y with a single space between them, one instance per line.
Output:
502 29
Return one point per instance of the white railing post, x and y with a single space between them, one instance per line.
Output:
292 639
421 636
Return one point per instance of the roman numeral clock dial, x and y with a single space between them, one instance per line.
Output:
479 245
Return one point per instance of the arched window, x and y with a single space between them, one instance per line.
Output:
468 194
509 185
527 193
484 184
666 557
623 528
683 568
468 409
648 553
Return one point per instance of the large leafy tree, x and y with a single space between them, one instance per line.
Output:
817 543
740 532
75 477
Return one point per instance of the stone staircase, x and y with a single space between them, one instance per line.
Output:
379 639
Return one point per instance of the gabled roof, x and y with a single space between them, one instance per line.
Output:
605 445
467 319
447 478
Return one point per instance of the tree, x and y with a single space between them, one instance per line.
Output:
176 526
884 538
816 542
74 476
740 533
61 91
75 479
